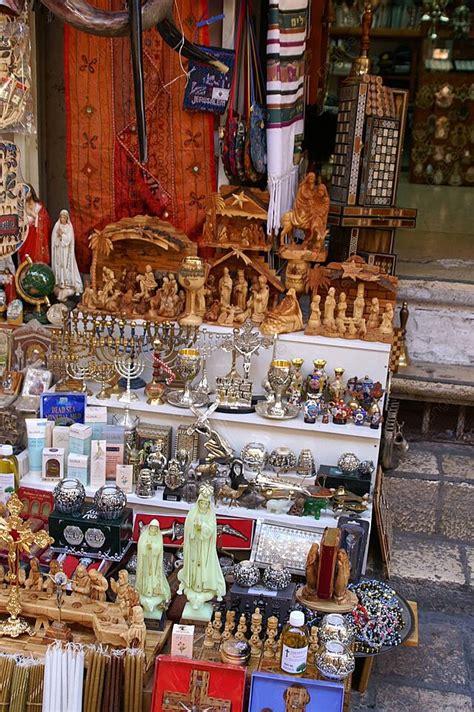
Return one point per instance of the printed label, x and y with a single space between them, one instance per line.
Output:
293 660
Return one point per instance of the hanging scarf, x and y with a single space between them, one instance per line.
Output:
286 44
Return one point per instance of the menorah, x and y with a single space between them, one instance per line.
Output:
129 366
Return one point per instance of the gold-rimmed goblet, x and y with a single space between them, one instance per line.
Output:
188 364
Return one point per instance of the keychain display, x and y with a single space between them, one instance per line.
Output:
16 102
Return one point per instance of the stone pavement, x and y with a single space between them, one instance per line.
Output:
431 494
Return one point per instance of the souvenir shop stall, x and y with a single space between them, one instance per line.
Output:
195 366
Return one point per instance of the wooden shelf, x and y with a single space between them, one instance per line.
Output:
395 33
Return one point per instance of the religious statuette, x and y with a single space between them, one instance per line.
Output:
151 582
285 318
201 576
16 537
63 259
327 576
310 214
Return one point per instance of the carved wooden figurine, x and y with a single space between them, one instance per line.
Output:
98 586
269 645
217 626
256 628
136 634
54 567
81 584
310 214
34 582
241 633
285 318
209 638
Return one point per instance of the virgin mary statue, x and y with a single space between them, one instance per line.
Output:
201 577
151 582
63 258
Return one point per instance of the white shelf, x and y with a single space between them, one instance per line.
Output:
251 420
158 505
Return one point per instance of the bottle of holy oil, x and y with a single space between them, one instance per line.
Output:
294 649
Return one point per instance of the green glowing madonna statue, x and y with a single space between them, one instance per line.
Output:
201 577
151 582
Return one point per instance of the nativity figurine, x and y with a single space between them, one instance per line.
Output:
285 318
259 297
63 259
201 577
151 582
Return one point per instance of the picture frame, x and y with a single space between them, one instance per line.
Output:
32 345
152 435
279 544
181 684
35 382
282 693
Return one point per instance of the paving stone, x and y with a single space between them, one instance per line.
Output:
457 508
439 642
412 503
394 698
458 467
438 562
419 461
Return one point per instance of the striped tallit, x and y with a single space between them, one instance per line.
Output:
286 44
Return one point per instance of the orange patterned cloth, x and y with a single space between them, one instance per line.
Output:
106 180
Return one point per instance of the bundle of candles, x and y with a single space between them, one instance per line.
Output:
21 683
63 678
113 679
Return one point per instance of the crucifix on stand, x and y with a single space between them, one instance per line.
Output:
16 536
197 698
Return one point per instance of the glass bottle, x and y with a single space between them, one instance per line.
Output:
294 648
9 476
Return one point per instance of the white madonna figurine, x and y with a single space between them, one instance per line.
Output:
151 582
201 577
63 259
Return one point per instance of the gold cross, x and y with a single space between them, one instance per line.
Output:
197 698
16 536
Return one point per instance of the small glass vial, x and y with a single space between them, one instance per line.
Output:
294 649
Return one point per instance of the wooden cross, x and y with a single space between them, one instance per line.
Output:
16 536
197 698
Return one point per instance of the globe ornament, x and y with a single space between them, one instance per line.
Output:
35 281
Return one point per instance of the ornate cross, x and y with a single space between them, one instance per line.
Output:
16 536
196 699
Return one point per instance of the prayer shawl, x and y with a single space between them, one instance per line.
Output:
286 44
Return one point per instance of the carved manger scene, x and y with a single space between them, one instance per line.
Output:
352 300
134 263
236 216
239 287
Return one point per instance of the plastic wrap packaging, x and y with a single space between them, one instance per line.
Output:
16 101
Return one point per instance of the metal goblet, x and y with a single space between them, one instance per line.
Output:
279 378
188 364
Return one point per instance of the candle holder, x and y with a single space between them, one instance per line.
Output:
129 367
188 365
155 389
